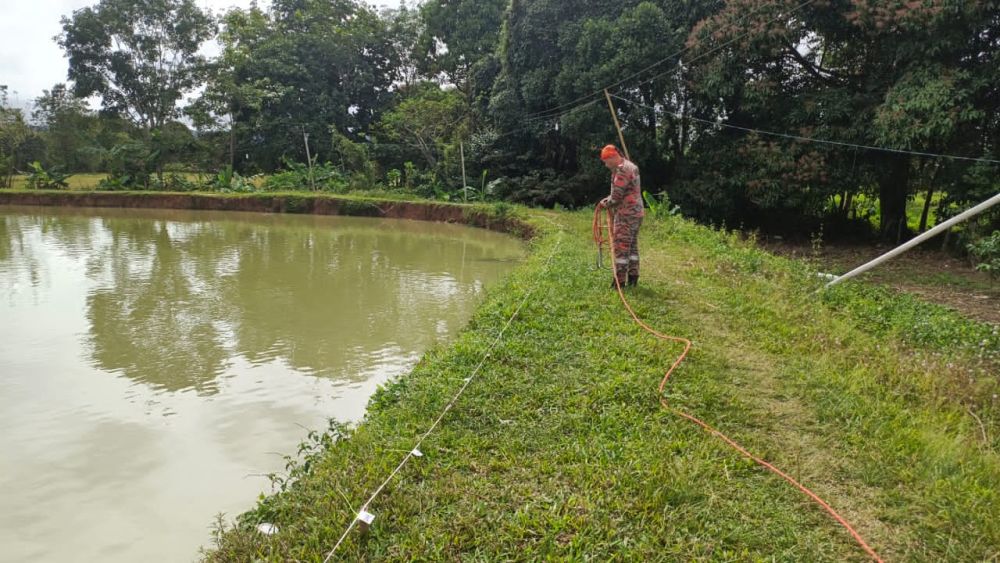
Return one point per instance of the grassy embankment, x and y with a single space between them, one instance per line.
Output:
885 406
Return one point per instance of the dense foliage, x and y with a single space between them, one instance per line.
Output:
718 100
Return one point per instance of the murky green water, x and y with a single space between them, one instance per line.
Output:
155 364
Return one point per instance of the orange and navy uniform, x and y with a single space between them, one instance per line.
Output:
626 202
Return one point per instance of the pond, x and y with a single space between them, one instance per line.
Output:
156 365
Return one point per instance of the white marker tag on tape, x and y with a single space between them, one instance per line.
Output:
366 517
267 529
467 379
417 453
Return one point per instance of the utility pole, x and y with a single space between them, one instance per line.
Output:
614 116
465 184
309 160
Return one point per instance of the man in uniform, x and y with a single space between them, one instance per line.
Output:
626 203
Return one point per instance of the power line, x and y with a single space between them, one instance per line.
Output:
809 139
528 123
727 43
670 57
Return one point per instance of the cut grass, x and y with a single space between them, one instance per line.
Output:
560 450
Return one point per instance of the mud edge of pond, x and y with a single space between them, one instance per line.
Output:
482 216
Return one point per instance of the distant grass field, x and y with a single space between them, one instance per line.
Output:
84 182
76 181
869 207
915 208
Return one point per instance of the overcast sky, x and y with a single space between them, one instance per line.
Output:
30 60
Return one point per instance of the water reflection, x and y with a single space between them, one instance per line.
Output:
149 315
174 301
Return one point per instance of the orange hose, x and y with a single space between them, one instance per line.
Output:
600 241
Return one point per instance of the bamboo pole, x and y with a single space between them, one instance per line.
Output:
614 116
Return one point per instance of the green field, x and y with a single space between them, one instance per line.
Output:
869 208
76 181
85 182
559 449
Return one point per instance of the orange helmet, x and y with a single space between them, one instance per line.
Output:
609 151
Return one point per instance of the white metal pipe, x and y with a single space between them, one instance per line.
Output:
929 234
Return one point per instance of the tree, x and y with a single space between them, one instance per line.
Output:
16 140
425 121
405 27
557 55
304 67
457 36
537 43
913 77
227 96
69 127
140 56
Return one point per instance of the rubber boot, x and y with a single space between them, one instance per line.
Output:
633 280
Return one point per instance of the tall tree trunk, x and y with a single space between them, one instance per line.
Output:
681 138
893 187
927 208
947 234
148 135
8 180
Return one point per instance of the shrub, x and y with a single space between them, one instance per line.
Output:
130 165
174 182
296 177
660 207
41 179
546 189
987 253
229 181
